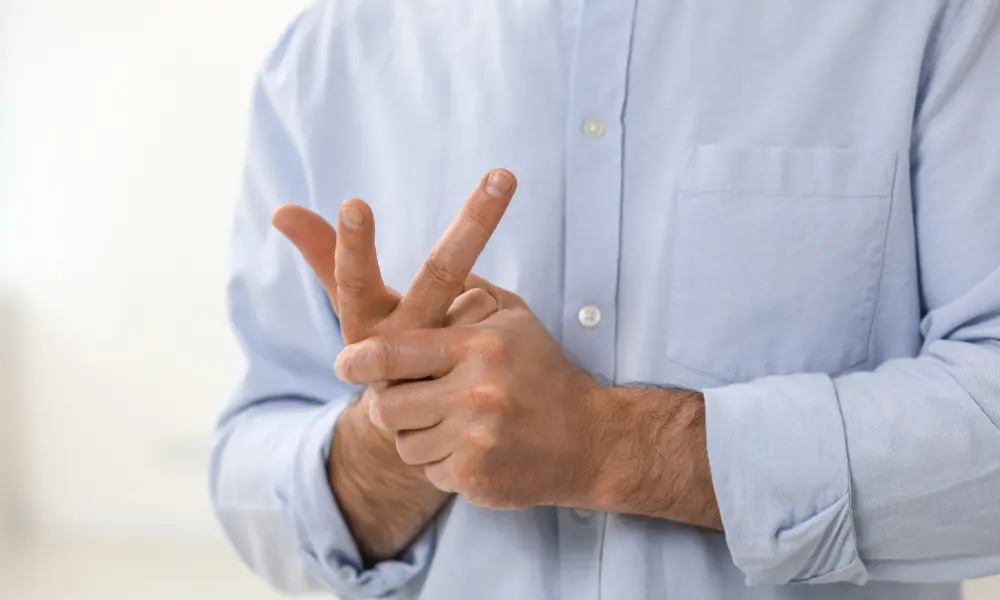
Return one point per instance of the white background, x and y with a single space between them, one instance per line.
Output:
121 137
122 125
122 132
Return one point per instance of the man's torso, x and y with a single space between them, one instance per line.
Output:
727 183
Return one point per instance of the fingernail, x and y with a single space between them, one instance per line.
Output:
351 217
499 184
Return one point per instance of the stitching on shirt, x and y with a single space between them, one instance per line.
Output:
970 397
695 192
850 483
681 194
885 251
600 555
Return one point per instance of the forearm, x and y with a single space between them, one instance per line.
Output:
385 502
656 463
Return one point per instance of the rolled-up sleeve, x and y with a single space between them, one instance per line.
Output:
892 474
779 464
311 513
268 470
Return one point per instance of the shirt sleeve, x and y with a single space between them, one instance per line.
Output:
268 471
892 474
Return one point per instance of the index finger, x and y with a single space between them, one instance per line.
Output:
443 274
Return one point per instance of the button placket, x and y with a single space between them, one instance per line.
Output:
593 207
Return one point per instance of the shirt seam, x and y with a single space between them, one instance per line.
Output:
855 555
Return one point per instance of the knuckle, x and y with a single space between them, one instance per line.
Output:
350 285
382 357
479 297
440 272
489 345
482 437
476 215
486 397
470 477
485 302
513 299
521 318
472 306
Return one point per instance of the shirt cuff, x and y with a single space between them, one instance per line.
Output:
778 455
327 546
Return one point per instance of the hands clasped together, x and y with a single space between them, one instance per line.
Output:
476 394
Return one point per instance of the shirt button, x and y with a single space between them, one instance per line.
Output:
582 513
589 316
592 128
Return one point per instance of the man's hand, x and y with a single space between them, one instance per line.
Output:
384 501
501 416
505 419
347 265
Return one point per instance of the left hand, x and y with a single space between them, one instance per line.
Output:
501 415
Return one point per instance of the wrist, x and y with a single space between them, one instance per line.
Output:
650 456
383 500
360 446
357 425
612 460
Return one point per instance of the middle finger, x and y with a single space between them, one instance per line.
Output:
362 296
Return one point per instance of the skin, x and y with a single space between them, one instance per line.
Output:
484 401
495 411
386 502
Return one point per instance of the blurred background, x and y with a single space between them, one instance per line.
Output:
122 125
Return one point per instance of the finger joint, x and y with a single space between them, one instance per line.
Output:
441 273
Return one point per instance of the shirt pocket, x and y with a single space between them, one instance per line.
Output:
776 258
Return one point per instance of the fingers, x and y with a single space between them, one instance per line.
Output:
362 297
505 299
442 276
470 308
426 446
314 238
407 406
405 355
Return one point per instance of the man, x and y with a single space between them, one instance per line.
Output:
737 335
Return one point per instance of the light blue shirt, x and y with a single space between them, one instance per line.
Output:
792 206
